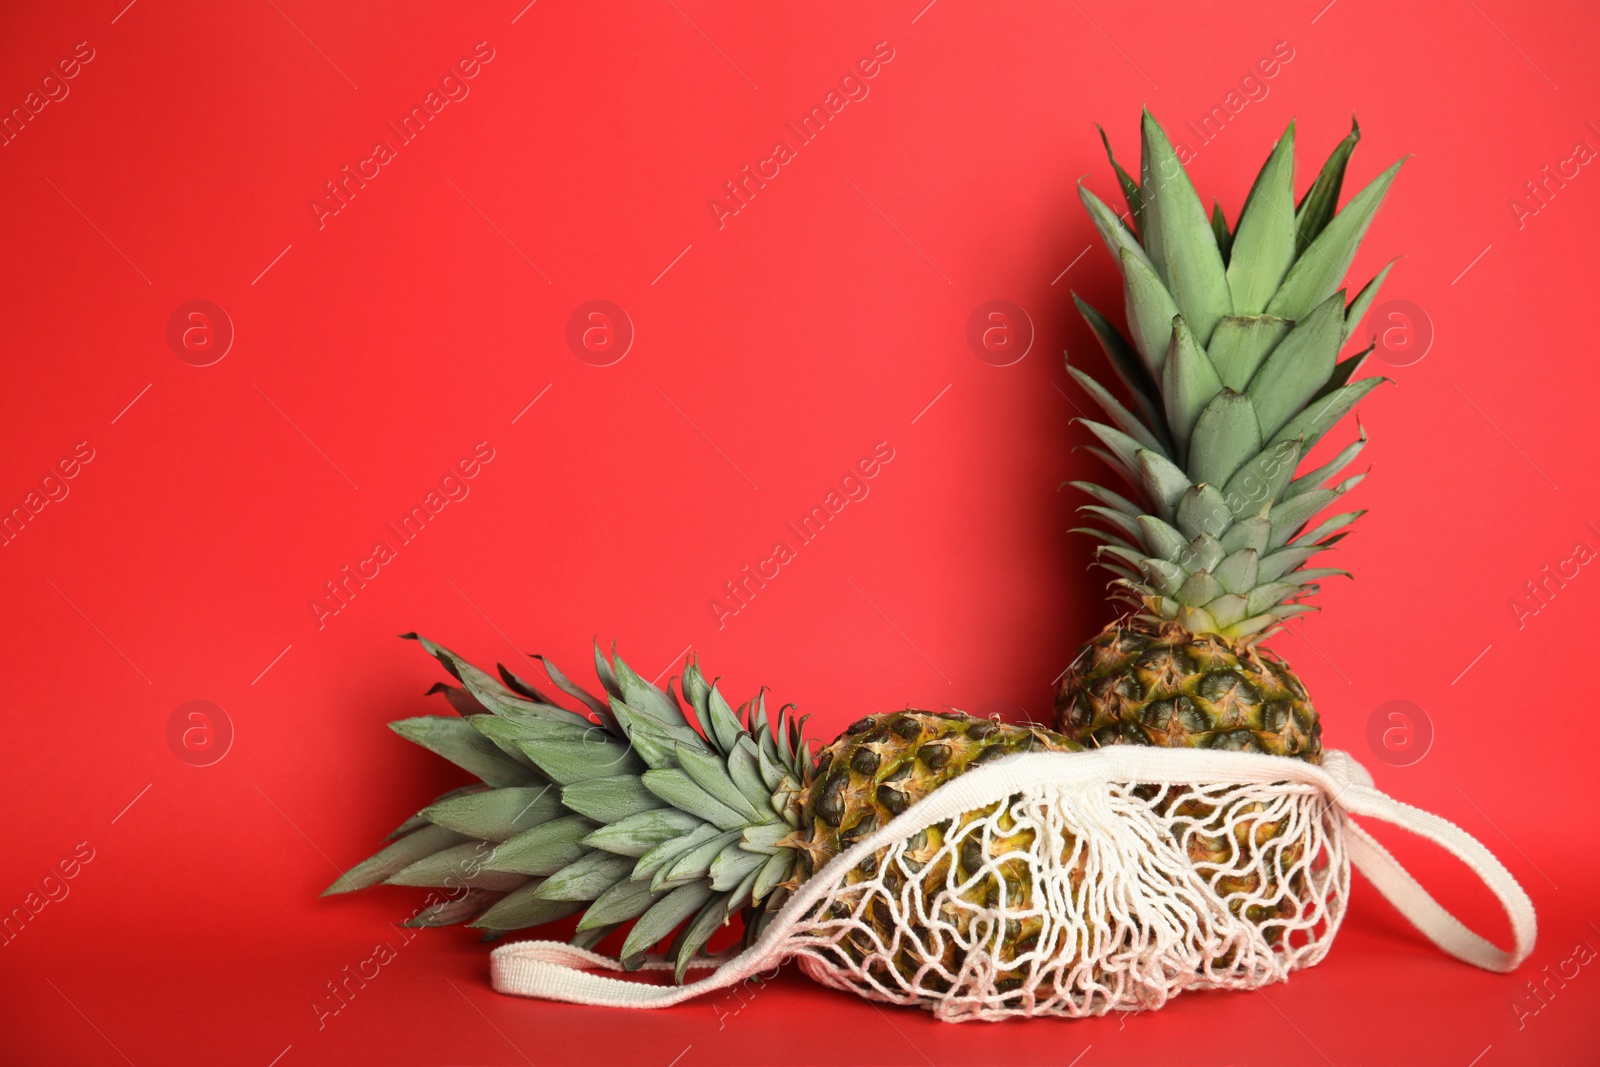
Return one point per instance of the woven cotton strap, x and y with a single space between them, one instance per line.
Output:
557 971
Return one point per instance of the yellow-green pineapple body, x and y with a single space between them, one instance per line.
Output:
880 767
1142 683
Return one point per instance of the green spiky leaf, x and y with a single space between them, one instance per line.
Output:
458 866
586 878
1150 312
1323 413
523 907
662 917
638 834
395 858
1203 510
1125 420
1299 366
1178 237
1189 382
623 901
1363 301
610 799
1320 271
497 814
1118 238
457 741
1226 435
1263 245
1219 230
1320 201
1128 365
1240 345
545 849
1130 188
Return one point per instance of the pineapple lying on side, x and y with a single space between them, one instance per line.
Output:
1234 375
678 817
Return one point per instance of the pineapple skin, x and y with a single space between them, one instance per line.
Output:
883 764
1147 683
1142 682
878 768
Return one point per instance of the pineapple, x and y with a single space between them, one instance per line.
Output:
675 817
1233 374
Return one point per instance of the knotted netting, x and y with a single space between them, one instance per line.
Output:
1074 884
1070 900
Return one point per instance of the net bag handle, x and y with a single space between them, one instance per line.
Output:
554 970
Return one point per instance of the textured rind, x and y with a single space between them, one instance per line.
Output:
1140 683
882 765
1072 898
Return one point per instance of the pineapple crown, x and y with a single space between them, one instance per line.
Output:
674 813
1234 375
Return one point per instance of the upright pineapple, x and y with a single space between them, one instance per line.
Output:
678 817
1234 375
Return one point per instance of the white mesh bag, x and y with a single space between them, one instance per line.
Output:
1108 881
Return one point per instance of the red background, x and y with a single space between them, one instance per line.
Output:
770 354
